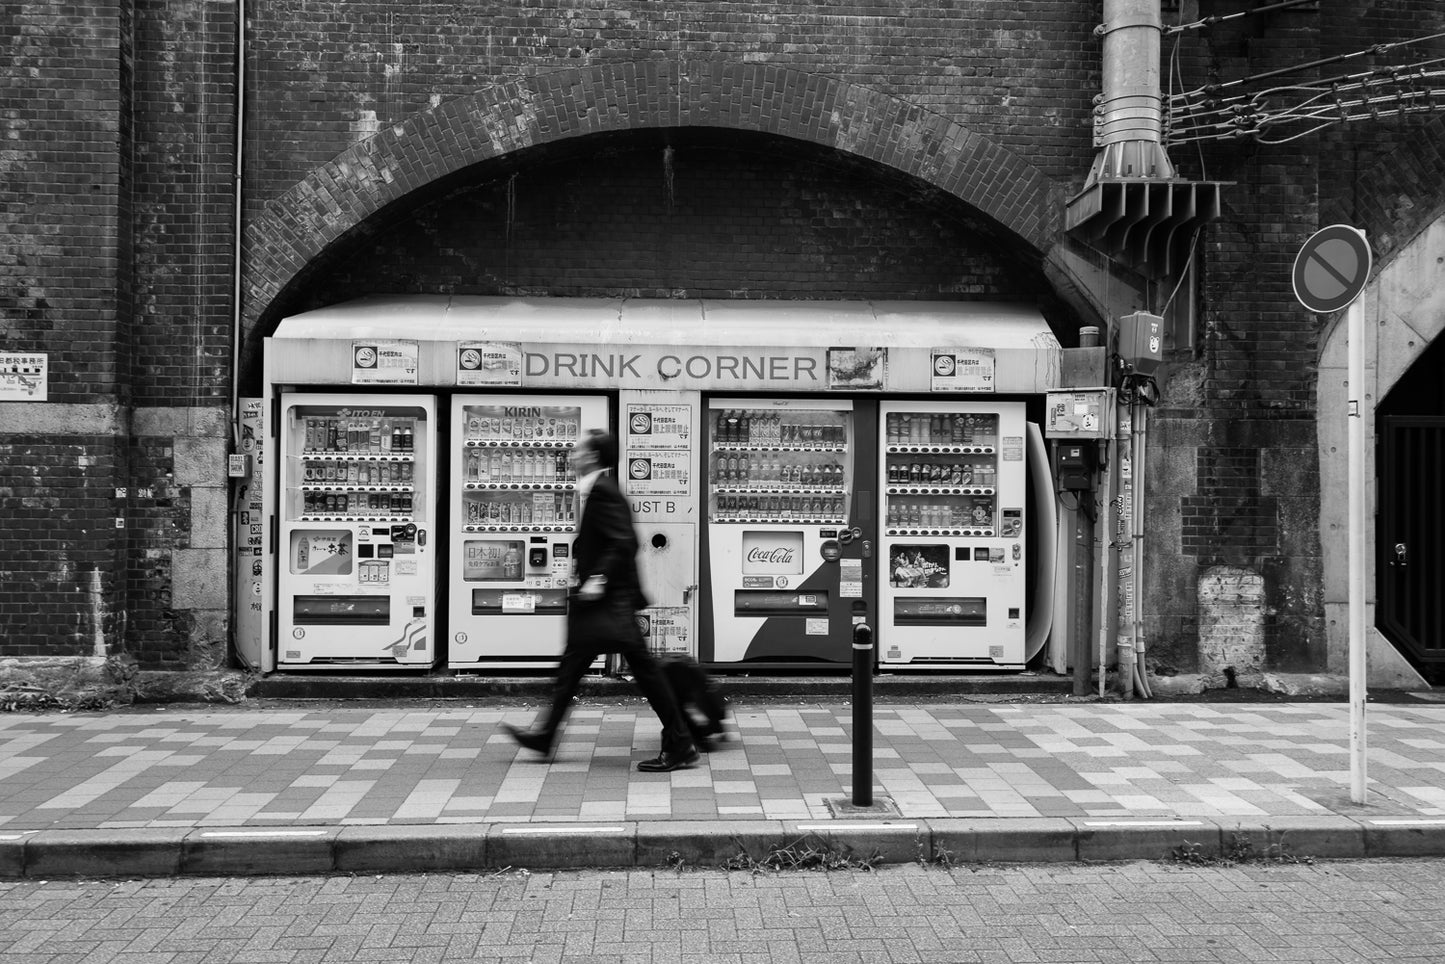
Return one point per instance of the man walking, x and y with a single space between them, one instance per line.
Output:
602 616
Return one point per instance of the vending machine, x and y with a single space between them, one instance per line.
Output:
357 502
783 554
514 515
953 482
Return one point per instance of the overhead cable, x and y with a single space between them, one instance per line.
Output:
1211 21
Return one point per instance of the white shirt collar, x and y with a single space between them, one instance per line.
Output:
585 484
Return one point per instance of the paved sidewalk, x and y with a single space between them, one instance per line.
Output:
298 790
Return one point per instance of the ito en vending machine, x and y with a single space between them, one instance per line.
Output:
953 482
787 563
513 521
357 584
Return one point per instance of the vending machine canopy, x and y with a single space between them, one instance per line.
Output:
742 345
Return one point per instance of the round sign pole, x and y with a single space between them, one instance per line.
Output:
1330 272
1355 329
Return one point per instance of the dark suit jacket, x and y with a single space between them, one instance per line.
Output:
607 545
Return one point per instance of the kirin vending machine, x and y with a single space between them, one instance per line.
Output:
953 480
513 521
784 556
357 502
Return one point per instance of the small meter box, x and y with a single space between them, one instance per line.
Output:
1141 341
1087 413
1076 466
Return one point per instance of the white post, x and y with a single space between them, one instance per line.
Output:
1355 321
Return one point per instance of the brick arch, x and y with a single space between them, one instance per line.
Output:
336 197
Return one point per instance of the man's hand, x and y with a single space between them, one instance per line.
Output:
592 589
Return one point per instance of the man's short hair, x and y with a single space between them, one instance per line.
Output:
604 445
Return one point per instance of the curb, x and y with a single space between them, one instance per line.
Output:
737 688
498 847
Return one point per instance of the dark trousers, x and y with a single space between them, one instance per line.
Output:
646 672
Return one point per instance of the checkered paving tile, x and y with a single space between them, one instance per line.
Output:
339 766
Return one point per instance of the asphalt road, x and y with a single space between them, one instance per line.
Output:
1371 910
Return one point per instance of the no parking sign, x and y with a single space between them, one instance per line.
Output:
1331 268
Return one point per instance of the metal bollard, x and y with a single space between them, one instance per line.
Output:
862 715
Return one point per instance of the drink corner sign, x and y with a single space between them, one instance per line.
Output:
1331 268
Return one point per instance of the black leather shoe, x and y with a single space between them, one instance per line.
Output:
667 762
535 742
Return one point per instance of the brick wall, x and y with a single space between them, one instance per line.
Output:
60 269
1235 428
1021 73
181 154
60 565
913 134
59 84
702 219
1383 176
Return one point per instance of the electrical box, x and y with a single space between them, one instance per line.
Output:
1083 414
1076 466
1141 341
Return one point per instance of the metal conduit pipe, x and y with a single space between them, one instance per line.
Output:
1128 113
236 228
1123 521
1141 672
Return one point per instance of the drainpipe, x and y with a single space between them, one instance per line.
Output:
1128 114
233 539
1124 540
236 234
1141 454
1128 130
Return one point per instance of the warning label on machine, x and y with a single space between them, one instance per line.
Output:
489 363
658 473
660 426
668 629
962 370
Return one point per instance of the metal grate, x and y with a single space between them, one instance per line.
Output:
1411 538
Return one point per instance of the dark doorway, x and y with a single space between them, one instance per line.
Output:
1410 531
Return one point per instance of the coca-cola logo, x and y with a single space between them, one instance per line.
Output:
775 555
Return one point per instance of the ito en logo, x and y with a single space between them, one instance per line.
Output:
640 424
365 356
641 469
943 364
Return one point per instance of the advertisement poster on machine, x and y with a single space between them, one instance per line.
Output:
250 537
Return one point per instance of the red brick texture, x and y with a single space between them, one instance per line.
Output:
296 228
669 148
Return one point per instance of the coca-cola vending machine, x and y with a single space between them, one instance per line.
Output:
787 548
